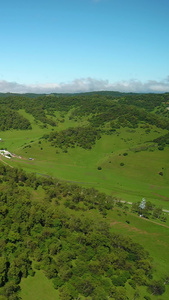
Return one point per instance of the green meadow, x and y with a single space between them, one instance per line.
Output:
38 287
129 177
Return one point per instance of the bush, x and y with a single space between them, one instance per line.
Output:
99 168
157 287
121 164
160 148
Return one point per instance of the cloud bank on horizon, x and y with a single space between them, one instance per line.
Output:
87 85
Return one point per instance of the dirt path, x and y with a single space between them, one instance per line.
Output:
114 223
5 162
155 222
149 220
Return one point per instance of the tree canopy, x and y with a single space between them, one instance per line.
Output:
81 256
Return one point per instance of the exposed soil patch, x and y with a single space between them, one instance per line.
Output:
114 223
135 229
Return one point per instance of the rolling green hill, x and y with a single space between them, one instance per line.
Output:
115 143
72 136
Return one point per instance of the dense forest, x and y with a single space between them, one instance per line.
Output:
82 257
10 119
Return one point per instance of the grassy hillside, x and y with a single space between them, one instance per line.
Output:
38 287
138 177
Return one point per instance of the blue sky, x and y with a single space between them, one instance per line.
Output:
84 45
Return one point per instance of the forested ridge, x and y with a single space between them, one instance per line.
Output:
85 104
10 119
82 256
104 114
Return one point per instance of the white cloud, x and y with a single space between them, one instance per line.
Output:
87 85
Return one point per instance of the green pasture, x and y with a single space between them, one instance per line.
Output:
38 288
138 177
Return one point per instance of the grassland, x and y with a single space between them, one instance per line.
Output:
137 178
38 287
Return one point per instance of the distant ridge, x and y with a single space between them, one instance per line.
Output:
101 93
34 95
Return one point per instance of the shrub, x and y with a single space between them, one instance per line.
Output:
160 148
99 168
157 287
